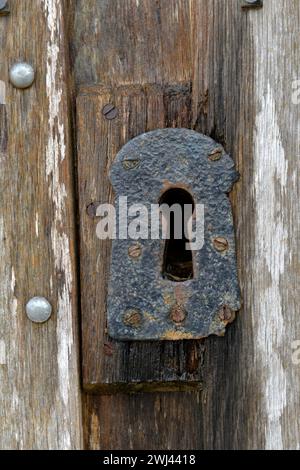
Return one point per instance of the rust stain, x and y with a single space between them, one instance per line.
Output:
178 313
174 335
226 315
168 299
149 317
169 185
192 361
181 293
108 349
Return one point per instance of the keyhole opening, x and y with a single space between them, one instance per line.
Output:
177 259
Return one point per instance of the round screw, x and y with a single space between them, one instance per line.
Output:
221 244
22 75
91 209
132 318
38 310
225 314
252 3
178 313
215 155
110 112
135 251
131 164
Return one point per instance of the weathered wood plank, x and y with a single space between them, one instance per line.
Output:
126 43
39 384
143 421
242 64
132 41
110 366
243 95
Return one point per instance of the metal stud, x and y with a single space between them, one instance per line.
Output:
110 112
38 310
221 244
4 10
252 3
22 75
132 318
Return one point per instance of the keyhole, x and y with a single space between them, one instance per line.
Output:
177 259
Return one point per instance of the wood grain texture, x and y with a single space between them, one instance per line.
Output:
152 421
110 366
39 378
127 43
242 64
243 95
132 42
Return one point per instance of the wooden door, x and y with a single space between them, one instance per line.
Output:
241 69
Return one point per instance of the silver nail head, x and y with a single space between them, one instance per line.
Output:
22 75
3 4
38 310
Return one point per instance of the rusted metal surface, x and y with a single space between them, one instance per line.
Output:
168 310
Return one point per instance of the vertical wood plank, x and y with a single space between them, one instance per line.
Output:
275 188
136 43
39 373
242 63
243 95
223 107
143 421
113 366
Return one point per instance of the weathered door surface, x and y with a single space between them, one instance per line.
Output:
224 69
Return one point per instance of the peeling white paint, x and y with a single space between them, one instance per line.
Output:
13 280
64 317
55 156
37 223
5 284
56 148
2 92
270 170
176 12
2 353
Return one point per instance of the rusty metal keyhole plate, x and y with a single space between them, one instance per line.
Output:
142 304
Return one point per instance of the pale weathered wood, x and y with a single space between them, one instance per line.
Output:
243 95
39 381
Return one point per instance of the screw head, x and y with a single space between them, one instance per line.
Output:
135 251
221 244
22 75
38 310
215 155
225 313
132 318
91 209
178 313
252 3
130 164
110 112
